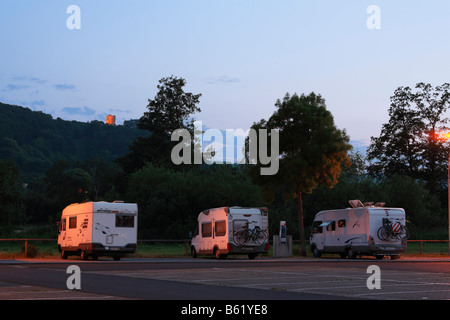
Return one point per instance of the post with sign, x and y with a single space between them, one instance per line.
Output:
282 243
283 232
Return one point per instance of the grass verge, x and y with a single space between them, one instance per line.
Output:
41 249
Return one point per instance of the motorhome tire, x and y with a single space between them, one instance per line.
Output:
316 253
193 252
351 254
63 254
217 254
84 255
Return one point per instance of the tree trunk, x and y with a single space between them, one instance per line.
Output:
300 220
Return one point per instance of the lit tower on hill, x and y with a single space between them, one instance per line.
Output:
111 120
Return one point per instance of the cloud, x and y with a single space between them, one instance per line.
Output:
24 83
112 111
13 87
38 81
30 79
38 103
64 87
85 111
223 79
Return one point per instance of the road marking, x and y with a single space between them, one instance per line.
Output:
400 292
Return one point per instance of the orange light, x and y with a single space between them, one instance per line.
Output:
443 135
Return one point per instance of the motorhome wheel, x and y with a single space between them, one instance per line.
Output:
84 255
316 253
351 254
193 252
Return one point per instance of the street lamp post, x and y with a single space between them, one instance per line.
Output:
446 136
448 190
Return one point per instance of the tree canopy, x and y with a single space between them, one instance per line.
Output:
35 141
312 150
409 143
171 109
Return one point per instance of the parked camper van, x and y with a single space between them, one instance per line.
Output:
231 230
98 229
363 229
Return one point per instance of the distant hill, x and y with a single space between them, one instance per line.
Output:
34 140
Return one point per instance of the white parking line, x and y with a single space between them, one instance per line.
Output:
400 292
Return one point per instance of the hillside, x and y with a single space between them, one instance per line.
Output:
34 140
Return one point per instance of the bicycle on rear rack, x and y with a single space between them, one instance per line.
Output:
392 231
246 235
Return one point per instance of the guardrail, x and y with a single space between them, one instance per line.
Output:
26 240
427 241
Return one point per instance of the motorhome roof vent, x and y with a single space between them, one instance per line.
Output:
359 204
356 204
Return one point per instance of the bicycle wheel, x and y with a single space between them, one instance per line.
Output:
240 237
261 237
383 233
403 234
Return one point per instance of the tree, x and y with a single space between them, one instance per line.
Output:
170 200
409 143
11 210
106 177
171 109
67 185
397 150
312 151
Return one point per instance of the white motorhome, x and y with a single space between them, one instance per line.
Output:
363 229
98 229
231 230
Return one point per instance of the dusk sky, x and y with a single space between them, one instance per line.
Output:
240 55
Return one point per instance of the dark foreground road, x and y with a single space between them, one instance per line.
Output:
228 280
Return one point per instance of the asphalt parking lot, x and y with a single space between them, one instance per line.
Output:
405 279
332 278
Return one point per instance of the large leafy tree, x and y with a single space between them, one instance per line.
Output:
312 151
409 144
11 210
171 109
66 184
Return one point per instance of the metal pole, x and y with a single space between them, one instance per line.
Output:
448 188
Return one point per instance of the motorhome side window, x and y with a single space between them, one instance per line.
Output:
316 227
124 221
239 224
73 223
331 226
62 226
220 228
341 223
206 229
195 231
